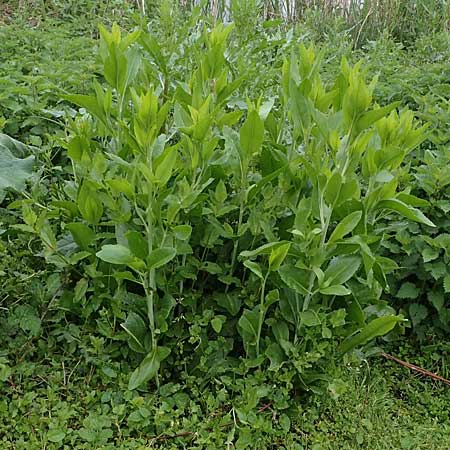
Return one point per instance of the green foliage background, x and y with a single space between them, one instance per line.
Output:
206 220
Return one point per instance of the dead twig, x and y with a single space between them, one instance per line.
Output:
418 369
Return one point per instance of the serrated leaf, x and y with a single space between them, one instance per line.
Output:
14 170
437 299
408 290
429 254
447 284
417 312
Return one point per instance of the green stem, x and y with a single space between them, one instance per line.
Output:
262 312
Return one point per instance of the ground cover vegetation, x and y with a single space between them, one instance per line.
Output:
210 232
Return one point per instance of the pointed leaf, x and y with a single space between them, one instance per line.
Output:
345 226
115 254
377 327
160 257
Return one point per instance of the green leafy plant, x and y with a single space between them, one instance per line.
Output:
207 232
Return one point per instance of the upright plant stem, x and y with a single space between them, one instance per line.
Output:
262 312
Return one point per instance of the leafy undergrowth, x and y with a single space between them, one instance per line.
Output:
60 402
251 328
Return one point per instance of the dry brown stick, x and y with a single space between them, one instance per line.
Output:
410 366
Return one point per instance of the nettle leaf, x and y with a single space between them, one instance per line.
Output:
429 254
437 299
408 290
447 284
15 169
115 254
377 327
417 312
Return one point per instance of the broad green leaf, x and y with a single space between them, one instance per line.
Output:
335 290
370 117
115 254
417 312
89 203
294 278
408 290
182 232
88 102
340 270
56 435
309 318
333 188
276 356
248 325
251 135
161 256
137 244
15 169
265 249
355 312
81 234
136 328
437 299
231 303
405 210
148 368
166 163
254 267
277 256
217 323
345 226
377 327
